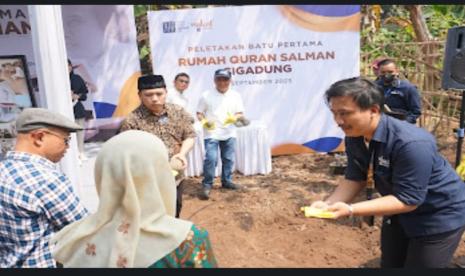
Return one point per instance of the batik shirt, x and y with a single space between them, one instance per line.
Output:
172 126
194 251
36 200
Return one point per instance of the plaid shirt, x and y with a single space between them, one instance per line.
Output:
36 200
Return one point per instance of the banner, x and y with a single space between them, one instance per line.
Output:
282 60
16 39
15 33
101 43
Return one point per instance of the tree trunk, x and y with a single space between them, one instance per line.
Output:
422 33
142 29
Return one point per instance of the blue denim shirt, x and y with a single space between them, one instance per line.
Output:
402 96
408 166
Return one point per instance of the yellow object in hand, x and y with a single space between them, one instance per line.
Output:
230 119
208 125
316 213
461 169
175 173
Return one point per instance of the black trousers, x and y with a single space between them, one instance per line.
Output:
179 191
398 250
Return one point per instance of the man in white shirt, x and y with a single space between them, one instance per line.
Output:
176 94
218 110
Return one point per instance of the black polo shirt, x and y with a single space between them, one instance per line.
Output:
402 96
407 165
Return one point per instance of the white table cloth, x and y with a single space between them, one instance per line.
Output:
252 155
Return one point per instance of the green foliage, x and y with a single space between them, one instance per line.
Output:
392 29
379 44
140 10
396 27
440 18
144 52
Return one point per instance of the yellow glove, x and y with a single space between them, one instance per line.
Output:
230 119
461 169
208 125
316 213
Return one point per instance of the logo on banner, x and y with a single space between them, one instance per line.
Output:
169 27
200 25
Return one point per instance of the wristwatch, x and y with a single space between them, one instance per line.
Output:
351 211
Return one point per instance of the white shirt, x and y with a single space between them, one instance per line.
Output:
216 106
176 97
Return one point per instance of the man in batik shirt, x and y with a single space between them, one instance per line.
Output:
170 122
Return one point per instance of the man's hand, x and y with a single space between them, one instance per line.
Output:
461 169
340 209
230 119
319 205
208 125
75 97
178 162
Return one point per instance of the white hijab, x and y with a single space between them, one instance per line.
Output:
134 225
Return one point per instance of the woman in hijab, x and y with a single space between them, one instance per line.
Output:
134 225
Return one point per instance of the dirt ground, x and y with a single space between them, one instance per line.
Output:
262 226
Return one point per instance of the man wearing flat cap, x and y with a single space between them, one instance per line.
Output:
218 110
170 122
36 198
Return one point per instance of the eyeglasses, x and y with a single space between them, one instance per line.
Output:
183 81
65 139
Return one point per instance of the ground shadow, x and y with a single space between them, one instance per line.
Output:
373 263
320 187
244 219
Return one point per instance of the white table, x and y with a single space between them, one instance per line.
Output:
252 155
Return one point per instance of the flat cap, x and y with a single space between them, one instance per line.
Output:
222 73
150 82
34 118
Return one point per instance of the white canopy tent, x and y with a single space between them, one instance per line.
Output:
52 72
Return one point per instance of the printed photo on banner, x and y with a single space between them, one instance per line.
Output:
15 92
109 65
